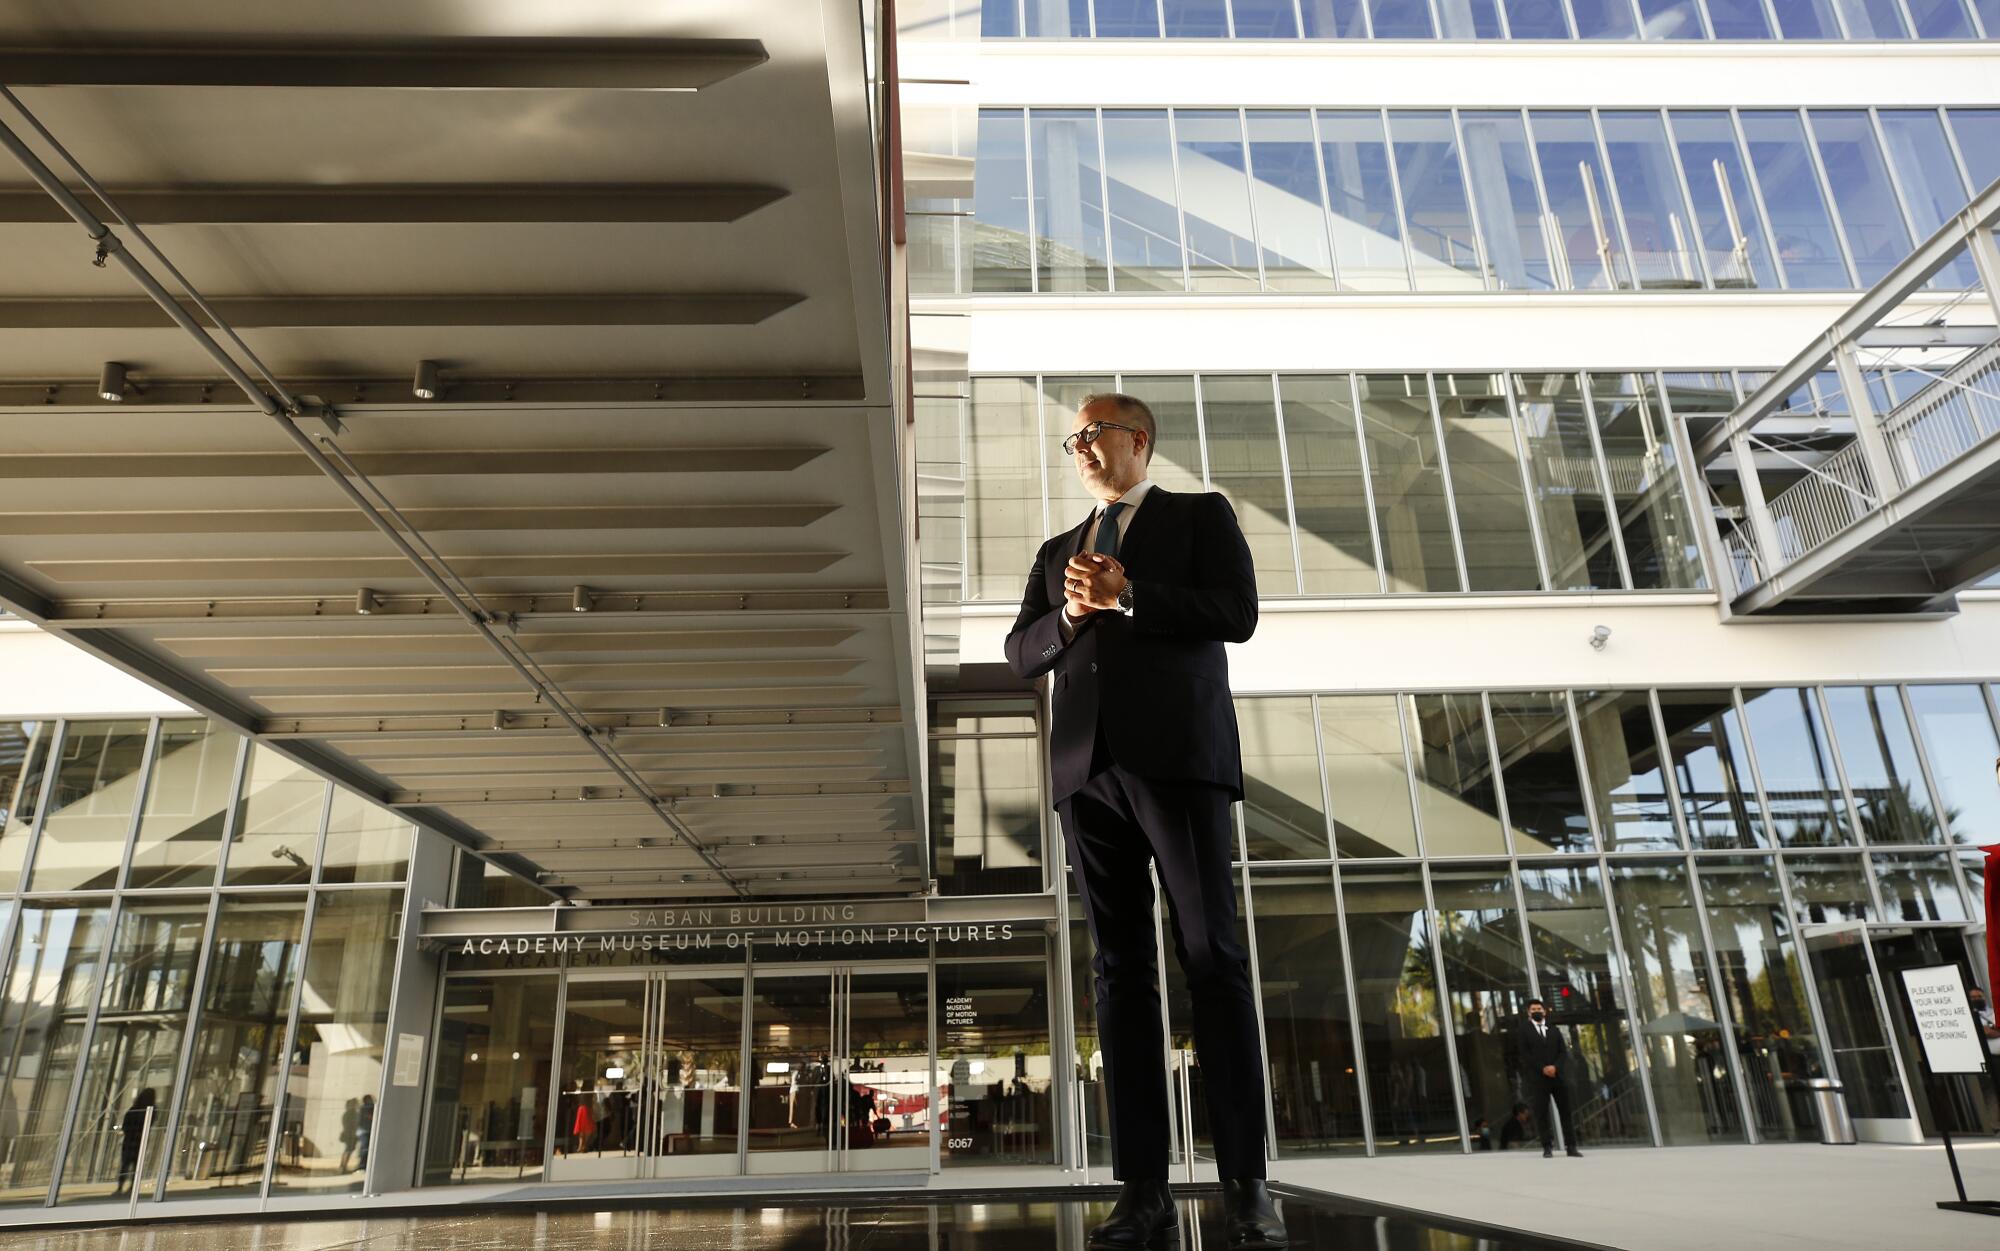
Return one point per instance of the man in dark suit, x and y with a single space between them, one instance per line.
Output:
1130 611
1544 1061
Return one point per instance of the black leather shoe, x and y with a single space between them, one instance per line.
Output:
1250 1217
1144 1217
1548 1153
1578 1154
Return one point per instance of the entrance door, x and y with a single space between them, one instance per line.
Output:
841 1059
1967 1102
1857 1028
649 1082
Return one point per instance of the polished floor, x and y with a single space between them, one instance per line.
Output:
1004 1224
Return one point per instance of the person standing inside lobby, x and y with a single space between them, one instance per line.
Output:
1544 1059
1129 611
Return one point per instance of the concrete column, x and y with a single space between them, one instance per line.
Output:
400 1108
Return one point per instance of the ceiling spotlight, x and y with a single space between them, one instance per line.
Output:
426 384
580 599
366 601
111 383
1599 636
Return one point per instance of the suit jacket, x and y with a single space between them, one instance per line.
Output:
1157 682
1535 1051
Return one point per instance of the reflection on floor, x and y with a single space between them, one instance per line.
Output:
1006 1223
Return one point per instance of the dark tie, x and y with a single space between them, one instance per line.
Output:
1107 531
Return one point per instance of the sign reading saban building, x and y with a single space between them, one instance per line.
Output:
587 929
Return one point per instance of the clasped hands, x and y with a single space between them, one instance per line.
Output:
1092 583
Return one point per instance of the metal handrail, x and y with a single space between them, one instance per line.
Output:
1832 496
1956 412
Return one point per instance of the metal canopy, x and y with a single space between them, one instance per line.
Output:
646 257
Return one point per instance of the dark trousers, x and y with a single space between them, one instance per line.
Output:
1540 1091
1114 825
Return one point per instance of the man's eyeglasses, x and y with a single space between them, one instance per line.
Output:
1088 435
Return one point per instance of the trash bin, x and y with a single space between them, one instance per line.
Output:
1830 1106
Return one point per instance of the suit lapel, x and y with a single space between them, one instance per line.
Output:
1075 541
1144 523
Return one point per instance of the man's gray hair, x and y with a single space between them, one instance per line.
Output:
1132 409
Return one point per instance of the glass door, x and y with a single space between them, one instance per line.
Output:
842 1064
791 1058
886 1054
649 1079
1966 1102
1857 1015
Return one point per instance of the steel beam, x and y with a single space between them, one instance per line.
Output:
622 726
522 62
393 394
364 570
470 462
430 520
399 204
258 312
1966 229
629 609
601 796
341 639
1887 337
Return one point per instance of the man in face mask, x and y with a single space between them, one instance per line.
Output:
1543 1058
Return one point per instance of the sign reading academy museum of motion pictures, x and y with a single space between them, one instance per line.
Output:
588 930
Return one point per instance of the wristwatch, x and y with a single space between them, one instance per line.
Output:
1125 600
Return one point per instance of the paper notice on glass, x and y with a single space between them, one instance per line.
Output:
1944 1020
409 1060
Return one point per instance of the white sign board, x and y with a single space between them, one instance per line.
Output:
1944 1021
409 1060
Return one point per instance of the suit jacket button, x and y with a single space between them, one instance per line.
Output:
1093 666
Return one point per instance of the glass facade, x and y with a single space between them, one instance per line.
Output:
1643 860
1722 20
1406 483
1074 201
1413 867
165 1031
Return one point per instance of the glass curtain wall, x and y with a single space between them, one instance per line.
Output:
1308 1023
134 983
135 1050
1284 814
1004 1112
1406 1051
89 810
187 803
24 757
1693 1093
339 1043
987 833
1489 984
1676 977
489 1101
1075 201
223 1137
58 962
1763 986
1457 20
1354 485
1577 963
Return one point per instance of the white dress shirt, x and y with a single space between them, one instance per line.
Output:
1131 499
